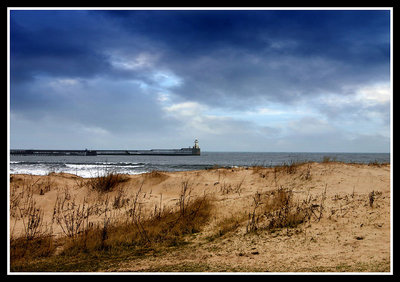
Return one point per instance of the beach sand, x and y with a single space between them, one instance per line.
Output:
347 231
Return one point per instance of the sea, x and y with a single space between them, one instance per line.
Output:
94 166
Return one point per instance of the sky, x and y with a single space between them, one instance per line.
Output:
237 80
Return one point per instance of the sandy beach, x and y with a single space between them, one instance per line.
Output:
345 224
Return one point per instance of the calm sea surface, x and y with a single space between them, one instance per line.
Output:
92 166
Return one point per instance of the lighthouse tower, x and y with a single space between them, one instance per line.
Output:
196 148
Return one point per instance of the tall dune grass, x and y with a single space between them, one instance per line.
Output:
107 181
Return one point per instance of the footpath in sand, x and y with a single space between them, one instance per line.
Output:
348 229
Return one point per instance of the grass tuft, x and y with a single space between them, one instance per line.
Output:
165 229
106 182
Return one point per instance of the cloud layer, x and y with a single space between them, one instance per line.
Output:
251 80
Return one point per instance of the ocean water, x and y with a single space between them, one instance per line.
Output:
92 166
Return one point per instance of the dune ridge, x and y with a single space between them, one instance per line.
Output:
299 217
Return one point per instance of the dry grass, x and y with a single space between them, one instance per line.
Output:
23 207
278 209
141 233
131 228
154 177
106 182
23 251
372 197
227 188
112 234
125 225
71 216
328 159
225 226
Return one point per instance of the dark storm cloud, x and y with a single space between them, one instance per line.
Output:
58 43
273 55
108 70
248 56
197 32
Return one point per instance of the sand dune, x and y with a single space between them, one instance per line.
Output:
349 230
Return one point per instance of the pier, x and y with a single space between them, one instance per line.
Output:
189 151
161 152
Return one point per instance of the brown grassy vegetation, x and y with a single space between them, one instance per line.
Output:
155 176
107 181
166 228
130 231
115 220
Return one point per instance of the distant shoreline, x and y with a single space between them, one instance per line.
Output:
91 166
212 167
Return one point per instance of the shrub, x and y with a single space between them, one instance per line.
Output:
31 215
372 197
328 159
70 215
107 182
281 211
277 209
164 228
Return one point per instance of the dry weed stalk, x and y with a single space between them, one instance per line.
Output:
238 187
372 197
133 210
120 200
184 197
31 216
46 185
306 175
15 199
70 215
32 219
252 223
321 207
279 210
80 182
134 215
226 189
158 209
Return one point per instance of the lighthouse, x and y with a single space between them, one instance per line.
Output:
196 148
